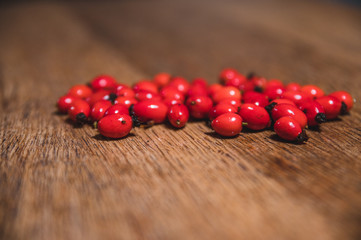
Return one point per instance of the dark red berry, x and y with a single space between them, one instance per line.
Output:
146 85
228 124
98 109
236 81
281 100
116 109
97 96
178 115
150 111
79 111
143 95
214 88
256 98
220 109
64 103
199 107
345 98
119 87
103 82
312 91
259 83
227 74
293 87
126 92
234 102
171 101
226 92
282 110
197 90
162 79
331 105
126 101
314 112
171 92
247 86
80 91
274 92
115 126
289 129
256 117
296 96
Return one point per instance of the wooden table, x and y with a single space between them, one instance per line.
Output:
60 182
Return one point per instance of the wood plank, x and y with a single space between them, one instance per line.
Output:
60 182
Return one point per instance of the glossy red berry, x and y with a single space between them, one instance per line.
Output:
98 110
256 98
199 107
99 95
259 83
171 101
314 112
197 90
150 111
119 87
226 92
256 117
227 74
80 91
312 91
214 88
289 129
228 124
234 102
64 103
146 85
116 109
178 115
274 92
281 100
272 83
199 82
162 79
79 111
171 92
296 96
105 82
143 95
220 109
115 126
181 84
126 101
293 87
236 81
247 86
331 105
282 110
345 98
126 92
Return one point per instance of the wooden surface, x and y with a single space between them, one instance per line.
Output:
57 182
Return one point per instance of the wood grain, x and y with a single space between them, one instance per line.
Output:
60 182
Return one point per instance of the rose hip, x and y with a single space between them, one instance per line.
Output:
80 91
226 92
331 105
115 126
79 111
314 112
220 109
282 110
256 117
64 103
178 115
99 108
228 124
116 109
345 98
256 98
104 82
289 129
199 107
150 111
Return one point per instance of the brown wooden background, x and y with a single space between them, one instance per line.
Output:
57 182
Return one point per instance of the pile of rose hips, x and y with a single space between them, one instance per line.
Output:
252 101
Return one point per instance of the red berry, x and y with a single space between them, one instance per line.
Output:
154 111
126 101
234 102
98 110
199 82
178 115
199 107
256 98
79 111
274 92
247 86
296 96
345 98
146 85
274 83
236 81
312 91
214 88
314 112
125 92
97 96
180 84
65 102
228 124
115 126
331 105
116 109
256 117
171 101
281 100
227 74
161 79
293 87
282 110
143 95
220 109
171 92
259 83
197 90
80 91
103 82
226 92
289 129
119 87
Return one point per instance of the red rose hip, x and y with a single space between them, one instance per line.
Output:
331 105
115 126
105 82
345 98
98 110
256 117
178 115
64 103
282 110
220 109
289 129
314 112
150 111
228 124
199 107
79 111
